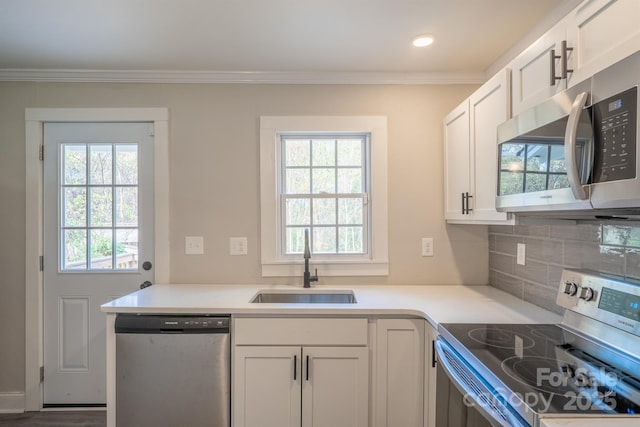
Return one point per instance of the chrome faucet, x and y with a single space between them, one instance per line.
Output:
308 278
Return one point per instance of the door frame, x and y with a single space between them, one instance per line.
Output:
34 238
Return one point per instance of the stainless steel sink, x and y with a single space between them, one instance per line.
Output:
302 297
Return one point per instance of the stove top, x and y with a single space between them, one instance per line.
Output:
548 369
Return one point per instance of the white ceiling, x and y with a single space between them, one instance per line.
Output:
257 36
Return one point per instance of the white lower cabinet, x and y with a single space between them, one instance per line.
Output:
313 384
399 373
430 335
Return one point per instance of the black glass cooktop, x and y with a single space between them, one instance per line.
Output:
548 369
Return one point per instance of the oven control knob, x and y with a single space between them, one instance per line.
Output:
568 371
570 288
586 294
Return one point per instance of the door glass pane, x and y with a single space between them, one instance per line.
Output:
101 164
75 207
74 248
90 218
101 206
74 164
126 164
101 249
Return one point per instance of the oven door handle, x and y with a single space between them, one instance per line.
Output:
469 393
570 142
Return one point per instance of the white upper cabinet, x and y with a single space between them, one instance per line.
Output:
602 32
471 153
537 73
593 36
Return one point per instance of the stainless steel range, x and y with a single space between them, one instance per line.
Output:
517 375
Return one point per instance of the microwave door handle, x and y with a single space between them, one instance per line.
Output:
570 142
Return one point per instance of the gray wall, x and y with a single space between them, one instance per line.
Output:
607 247
214 181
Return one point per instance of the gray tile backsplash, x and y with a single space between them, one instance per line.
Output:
607 247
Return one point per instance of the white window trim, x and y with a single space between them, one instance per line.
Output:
273 264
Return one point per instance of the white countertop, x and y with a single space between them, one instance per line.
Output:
436 303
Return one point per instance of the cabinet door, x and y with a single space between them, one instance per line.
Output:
602 32
335 387
430 334
532 68
457 163
267 386
399 372
488 107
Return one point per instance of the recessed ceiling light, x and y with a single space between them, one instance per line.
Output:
423 40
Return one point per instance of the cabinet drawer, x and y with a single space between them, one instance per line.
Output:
299 331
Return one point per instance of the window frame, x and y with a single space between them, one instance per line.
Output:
274 263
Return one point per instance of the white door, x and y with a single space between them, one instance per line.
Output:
335 389
98 245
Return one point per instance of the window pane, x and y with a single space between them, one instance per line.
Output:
294 243
324 180
511 183
126 206
324 240
350 180
537 158
127 164
101 206
512 157
536 182
298 211
324 211
298 181
557 159
75 207
558 181
324 152
101 249
101 164
350 211
351 240
75 250
297 152
126 249
75 164
350 152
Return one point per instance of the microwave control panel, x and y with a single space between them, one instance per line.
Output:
614 124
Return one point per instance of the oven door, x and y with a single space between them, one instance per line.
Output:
545 156
464 399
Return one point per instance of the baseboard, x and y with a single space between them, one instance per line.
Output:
11 403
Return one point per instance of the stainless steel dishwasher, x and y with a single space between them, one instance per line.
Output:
173 371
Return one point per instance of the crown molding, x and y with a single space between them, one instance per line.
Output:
242 77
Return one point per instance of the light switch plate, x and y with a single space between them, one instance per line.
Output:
193 245
238 246
427 246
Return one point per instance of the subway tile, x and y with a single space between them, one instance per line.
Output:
510 284
533 271
541 296
540 230
545 250
492 242
588 232
501 229
501 262
507 244
603 258
555 275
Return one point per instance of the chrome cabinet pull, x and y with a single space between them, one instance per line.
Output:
295 367
552 68
307 367
565 59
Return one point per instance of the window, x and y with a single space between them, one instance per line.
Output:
326 175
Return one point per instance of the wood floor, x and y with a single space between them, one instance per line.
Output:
55 419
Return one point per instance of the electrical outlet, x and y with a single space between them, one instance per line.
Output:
238 246
427 246
520 253
193 245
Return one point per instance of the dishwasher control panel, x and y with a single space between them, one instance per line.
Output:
145 324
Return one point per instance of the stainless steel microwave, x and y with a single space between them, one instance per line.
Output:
577 153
